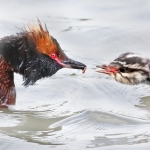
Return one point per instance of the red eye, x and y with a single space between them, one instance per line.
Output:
53 55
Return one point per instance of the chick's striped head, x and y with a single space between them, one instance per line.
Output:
128 68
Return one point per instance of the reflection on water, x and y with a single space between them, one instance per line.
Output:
145 103
72 110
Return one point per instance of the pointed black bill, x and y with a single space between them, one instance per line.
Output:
69 63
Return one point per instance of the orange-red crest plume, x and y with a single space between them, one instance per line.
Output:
41 38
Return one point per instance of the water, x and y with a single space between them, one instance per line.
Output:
72 110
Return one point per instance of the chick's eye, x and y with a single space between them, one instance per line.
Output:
121 69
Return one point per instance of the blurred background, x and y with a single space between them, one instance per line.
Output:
72 110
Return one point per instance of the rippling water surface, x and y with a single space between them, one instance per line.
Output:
72 110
